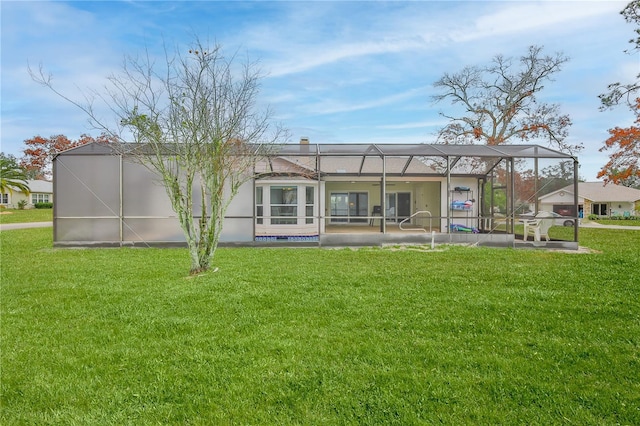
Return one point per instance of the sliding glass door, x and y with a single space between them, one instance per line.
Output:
349 207
398 205
358 207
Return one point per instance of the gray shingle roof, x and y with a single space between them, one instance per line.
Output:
40 186
598 192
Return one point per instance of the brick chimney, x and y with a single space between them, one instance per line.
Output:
304 144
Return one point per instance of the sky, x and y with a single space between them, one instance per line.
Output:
335 72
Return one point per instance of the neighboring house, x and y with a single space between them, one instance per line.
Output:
318 194
40 191
593 198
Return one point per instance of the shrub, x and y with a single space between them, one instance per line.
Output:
22 204
617 217
592 217
43 205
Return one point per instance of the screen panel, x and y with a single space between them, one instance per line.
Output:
143 193
152 230
89 229
237 230
96 186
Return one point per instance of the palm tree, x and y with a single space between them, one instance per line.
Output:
12 177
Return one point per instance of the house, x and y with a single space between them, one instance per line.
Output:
593 198
307 194
40 191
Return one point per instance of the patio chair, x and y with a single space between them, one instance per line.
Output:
539 227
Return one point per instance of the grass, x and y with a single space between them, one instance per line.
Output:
458 335
619 222
28 215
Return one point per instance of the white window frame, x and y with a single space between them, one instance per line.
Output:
274 224
39 198
286 212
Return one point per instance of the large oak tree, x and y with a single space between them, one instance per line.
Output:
498 103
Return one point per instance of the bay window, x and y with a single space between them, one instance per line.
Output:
284 205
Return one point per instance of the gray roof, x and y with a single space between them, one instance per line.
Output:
40 186
367 159
411 159
599 192
423 150
359 150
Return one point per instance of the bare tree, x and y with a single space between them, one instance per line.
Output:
195 123
500 104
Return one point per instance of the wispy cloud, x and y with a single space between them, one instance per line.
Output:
426 124
334 107
526 17
324 56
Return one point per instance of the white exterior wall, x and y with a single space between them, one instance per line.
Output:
618 208
238 222
12 199
16 196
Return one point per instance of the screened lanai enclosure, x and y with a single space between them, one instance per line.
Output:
332 195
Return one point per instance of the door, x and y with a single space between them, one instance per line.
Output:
390 206
398 205
404 205
349 207
339 205
358 206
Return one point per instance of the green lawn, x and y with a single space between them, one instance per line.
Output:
621 222
29 215
458 335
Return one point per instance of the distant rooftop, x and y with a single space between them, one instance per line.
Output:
598 191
